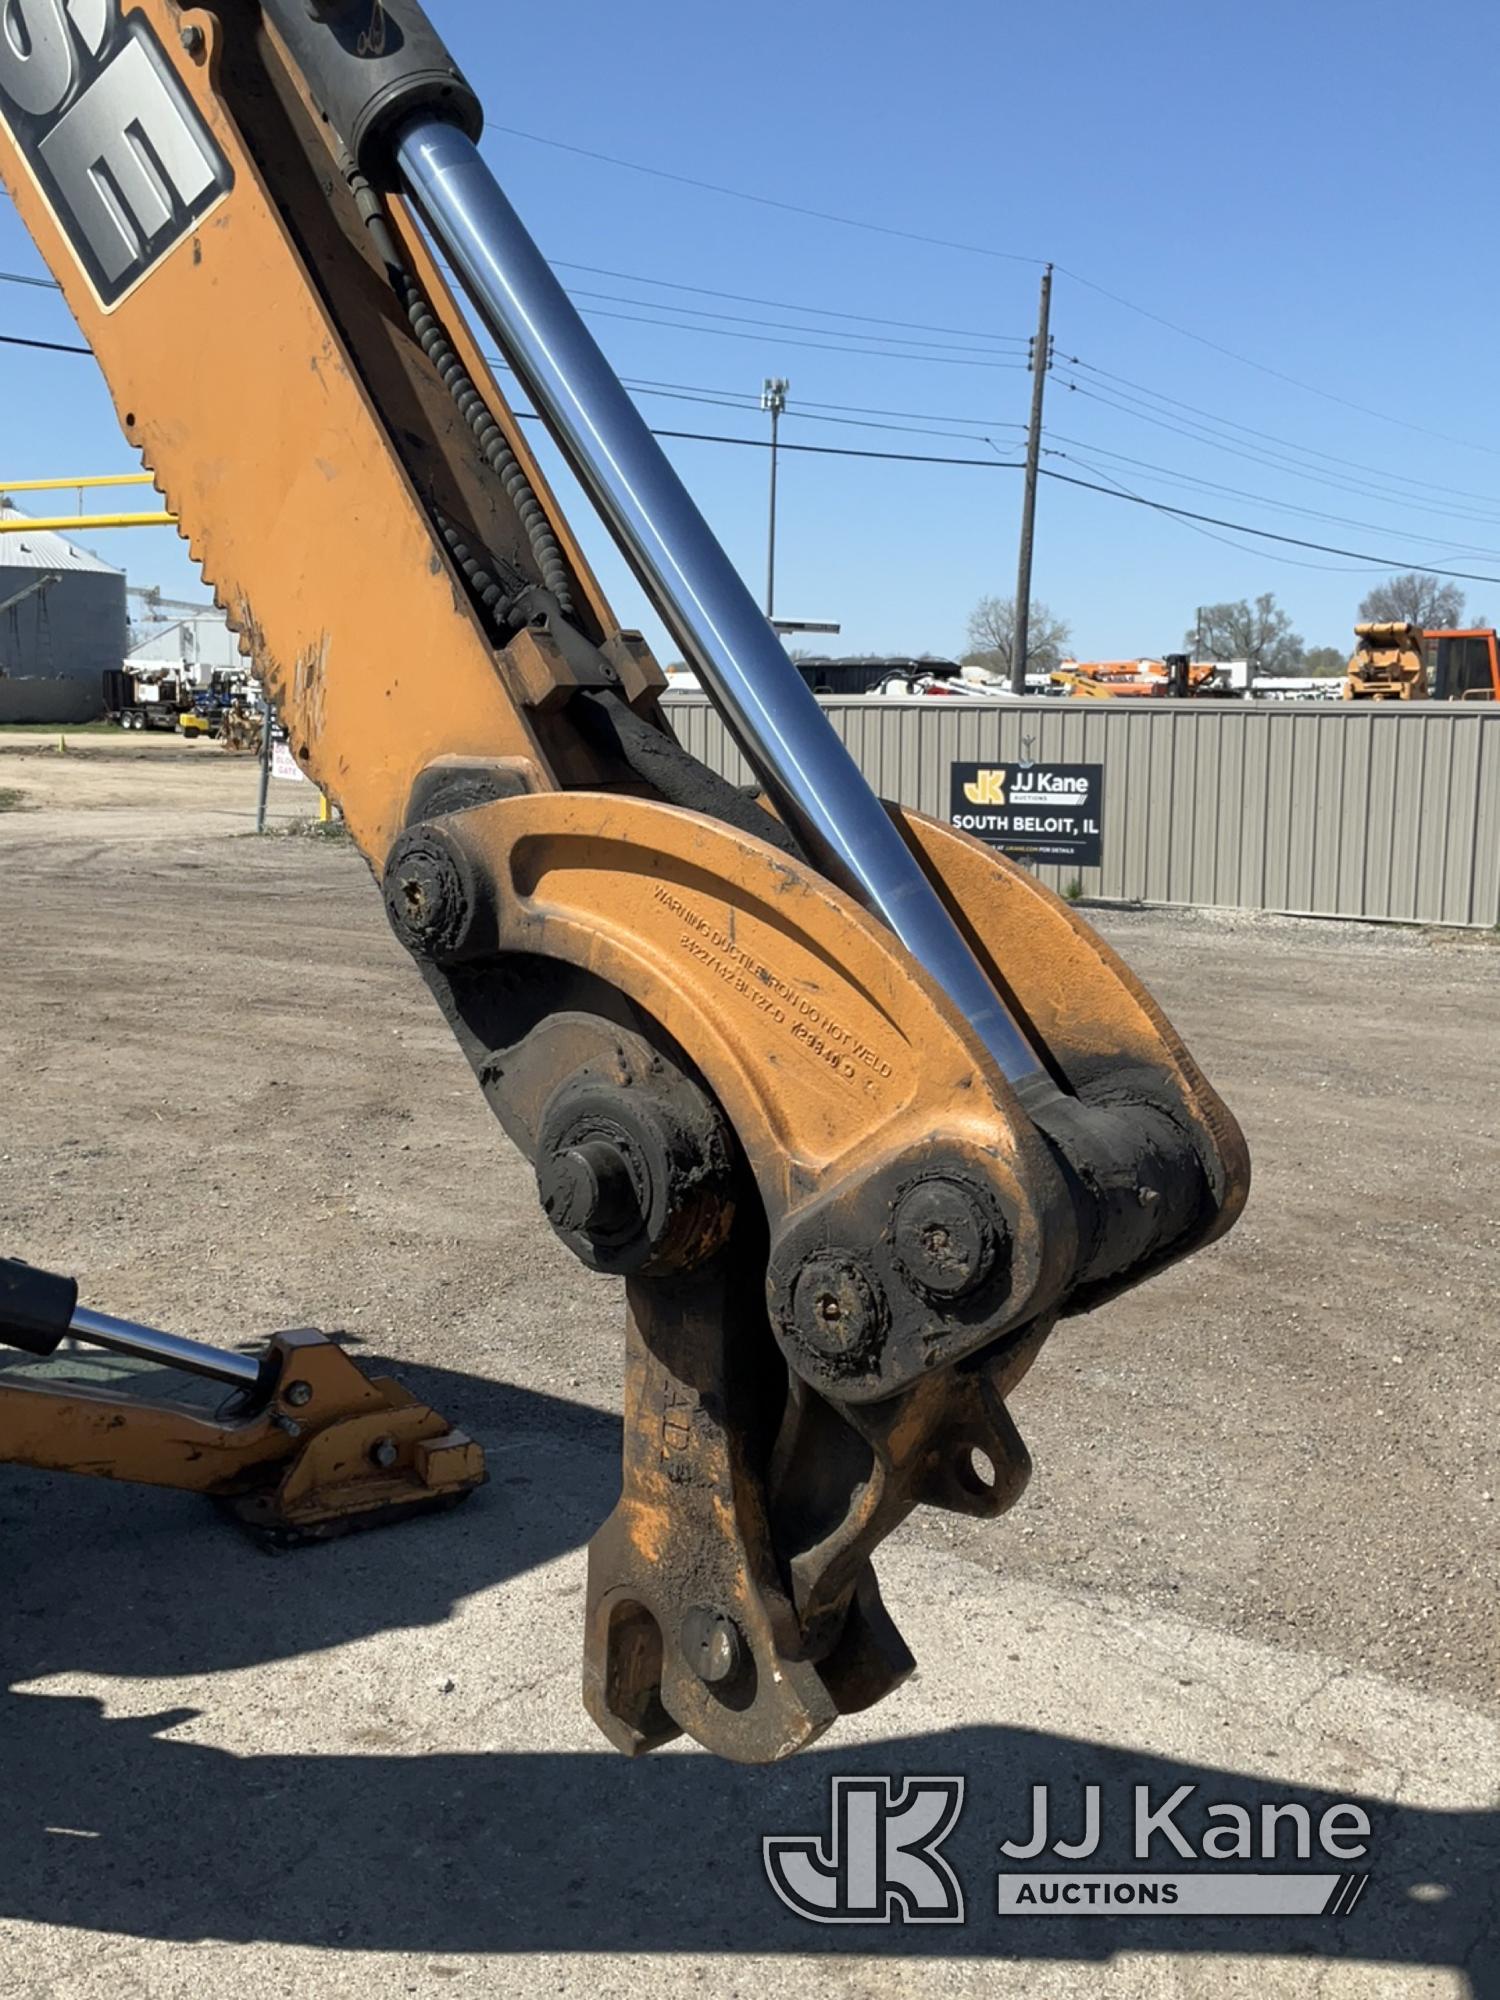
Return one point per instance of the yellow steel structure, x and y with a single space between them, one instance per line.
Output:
74 485
70 523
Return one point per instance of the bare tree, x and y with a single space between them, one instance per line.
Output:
1260 633
992 636
1414 599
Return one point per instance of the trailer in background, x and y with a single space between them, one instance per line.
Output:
155 698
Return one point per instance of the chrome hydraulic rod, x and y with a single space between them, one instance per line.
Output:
149 1343
39 1311
775 719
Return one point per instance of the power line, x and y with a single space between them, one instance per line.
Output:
800 415
768 201
850 451
817 450
997 464
921 416
780 326
45 346
877 345
1003 256
1265 534
824 450
1116 491
843 409
1277 461
781 305
824 346
893 350
812 413
743 400
731 398
1225 541
1270 437
806 416
1388 494
1175 476
728 399
1278 374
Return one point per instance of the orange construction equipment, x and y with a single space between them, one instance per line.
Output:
1387 664
1174 678
856 1109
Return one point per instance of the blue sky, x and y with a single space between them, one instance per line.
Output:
1309 186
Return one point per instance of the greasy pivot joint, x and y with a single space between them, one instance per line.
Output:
431 895
633 1169
945 1241
839 1312
936 1275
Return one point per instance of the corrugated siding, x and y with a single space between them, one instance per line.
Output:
1325 809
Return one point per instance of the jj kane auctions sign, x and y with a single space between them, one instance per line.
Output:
1039 812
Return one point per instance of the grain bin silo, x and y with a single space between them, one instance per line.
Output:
62 624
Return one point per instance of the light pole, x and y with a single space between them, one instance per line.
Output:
773 400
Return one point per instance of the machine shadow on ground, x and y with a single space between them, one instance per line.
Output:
156 1583
118 1826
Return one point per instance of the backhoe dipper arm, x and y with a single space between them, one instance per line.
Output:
856 1108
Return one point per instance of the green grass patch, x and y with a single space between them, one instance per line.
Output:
11 800
60 729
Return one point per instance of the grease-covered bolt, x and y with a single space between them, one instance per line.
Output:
838 1309
587 1189
944 1238
429 893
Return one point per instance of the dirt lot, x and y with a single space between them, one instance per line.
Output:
139 787
231 1106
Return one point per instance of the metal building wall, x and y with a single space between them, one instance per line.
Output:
204 643
75 632
77 627
63 702
1379 810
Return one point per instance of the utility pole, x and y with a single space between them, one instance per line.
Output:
1041 361
773 400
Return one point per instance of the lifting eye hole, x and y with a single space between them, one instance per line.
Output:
976 1471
